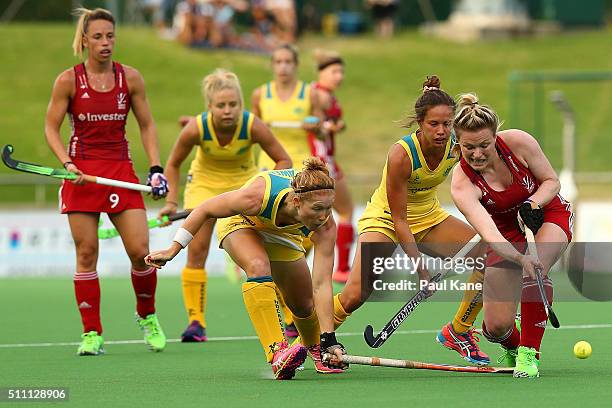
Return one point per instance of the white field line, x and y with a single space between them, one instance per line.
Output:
243 338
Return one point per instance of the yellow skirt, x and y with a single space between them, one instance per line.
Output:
279 247
375 219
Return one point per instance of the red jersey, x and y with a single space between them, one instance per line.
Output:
504 205
325 149
98 147
98 118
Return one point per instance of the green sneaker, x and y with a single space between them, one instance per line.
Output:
154 336
91 345
508 358
526 363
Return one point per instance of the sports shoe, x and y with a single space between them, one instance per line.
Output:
291 331
154 336
526 363
508 358
341 276
287 359
194 333
463 343
315 354
91 345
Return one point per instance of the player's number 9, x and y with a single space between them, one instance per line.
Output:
114 199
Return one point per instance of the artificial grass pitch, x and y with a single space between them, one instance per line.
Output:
229 370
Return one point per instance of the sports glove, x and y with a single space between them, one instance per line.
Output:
532 217
158 182
329 345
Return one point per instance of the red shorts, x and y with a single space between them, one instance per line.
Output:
558 212
97 198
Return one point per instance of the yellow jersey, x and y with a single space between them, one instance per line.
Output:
278 185
220 167
423 209
295 109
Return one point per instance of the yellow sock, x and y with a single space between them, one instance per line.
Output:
261 304
287 315
308 327
194 293
470 305
340 314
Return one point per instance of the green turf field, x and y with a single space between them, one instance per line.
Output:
230 371
383 78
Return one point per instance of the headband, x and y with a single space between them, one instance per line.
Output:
336 60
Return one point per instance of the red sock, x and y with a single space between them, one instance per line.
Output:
533 314
144 283
344 242
509 341
87 292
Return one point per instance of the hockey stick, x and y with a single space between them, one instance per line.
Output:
408 308
417 365
533 250
107 233
64 174
310 120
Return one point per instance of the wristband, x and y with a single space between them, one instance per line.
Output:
183 237
533 202
67 163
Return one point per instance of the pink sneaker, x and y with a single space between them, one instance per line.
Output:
287 359
315 354
464 344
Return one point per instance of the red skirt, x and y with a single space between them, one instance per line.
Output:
558 212
97 198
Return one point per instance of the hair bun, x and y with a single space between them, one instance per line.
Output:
315 164
468 99
432 82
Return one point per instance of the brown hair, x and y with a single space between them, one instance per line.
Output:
473 117
325 58
432 96
314 176
85 17
220 79
291 48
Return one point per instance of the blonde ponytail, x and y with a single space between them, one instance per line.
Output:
472 116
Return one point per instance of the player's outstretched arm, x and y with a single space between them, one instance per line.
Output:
323 264
399 169
188 138
467 199
247 200
56 111
324 241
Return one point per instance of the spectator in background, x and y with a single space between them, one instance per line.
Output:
191 23
383 13
263 35
221 13
283 12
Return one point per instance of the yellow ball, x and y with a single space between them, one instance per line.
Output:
582 349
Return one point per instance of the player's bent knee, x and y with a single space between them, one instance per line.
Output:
257 267
498 328
302 310
87 256
137 258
